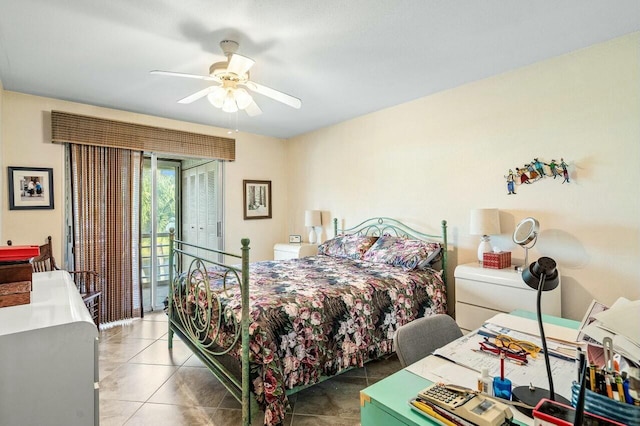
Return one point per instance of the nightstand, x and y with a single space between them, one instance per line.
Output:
294 251
482 293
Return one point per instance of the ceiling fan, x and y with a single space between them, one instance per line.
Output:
232 76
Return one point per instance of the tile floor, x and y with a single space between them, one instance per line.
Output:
143 383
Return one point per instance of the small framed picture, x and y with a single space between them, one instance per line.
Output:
257 199
295 239
30 188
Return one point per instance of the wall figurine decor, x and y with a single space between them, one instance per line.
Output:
534 171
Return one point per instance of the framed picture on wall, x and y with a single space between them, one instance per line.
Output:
30 188
257 199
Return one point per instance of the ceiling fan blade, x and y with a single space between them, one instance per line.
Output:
274 94
184 75
239 65
253 109
199 94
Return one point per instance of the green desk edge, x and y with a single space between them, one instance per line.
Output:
397 389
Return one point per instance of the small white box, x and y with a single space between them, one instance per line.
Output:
294 251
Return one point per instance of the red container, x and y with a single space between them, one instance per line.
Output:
499 260
18 253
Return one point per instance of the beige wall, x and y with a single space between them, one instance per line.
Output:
431 159
25 130
440 156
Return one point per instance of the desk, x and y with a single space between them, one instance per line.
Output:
49 357
385 402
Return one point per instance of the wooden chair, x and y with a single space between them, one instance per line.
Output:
86 281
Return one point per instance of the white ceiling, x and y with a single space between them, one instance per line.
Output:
343 58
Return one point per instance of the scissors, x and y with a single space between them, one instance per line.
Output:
607 344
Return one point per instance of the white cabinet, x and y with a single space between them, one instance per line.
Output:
482 293
201 220
294 251
49 357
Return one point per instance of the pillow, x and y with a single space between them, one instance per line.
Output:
352 246
403 252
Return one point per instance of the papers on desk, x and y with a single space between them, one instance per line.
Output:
620 323
464 352
530 327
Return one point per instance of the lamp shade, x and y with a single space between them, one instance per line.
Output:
484 222
312 218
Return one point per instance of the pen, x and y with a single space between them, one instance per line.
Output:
515 361
580 356
428 410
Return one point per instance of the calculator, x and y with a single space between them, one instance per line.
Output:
471 406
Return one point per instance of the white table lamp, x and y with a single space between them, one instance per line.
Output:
484 222
313 219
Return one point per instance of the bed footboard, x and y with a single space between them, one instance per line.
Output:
197 315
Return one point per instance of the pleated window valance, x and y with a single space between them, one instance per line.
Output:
85 130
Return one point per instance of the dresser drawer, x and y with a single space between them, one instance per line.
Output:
493 296
482 292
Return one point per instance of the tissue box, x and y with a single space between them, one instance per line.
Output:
498 260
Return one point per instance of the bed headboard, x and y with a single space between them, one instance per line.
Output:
378 226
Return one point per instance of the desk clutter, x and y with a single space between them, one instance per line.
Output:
507 352
611 374
15 274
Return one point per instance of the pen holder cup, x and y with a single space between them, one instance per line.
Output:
606 407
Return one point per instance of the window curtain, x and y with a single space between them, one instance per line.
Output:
105 188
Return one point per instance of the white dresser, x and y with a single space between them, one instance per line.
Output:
482 293
294 251
49 357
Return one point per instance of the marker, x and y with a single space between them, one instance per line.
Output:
607 380
459 421
620 388
625 386
428 410
592 377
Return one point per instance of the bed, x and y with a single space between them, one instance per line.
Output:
269 329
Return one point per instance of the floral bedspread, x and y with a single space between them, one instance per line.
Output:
317 316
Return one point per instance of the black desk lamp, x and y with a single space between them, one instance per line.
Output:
542 276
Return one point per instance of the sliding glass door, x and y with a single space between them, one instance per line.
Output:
160 211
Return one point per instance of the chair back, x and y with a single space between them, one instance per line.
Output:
45 261
419 338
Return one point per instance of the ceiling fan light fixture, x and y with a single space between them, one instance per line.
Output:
231 74
243 98
217 96
229 104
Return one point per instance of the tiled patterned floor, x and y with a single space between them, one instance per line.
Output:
143 383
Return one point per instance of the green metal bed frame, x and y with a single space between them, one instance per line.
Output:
194 327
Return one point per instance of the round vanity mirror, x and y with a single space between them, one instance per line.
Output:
526 231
